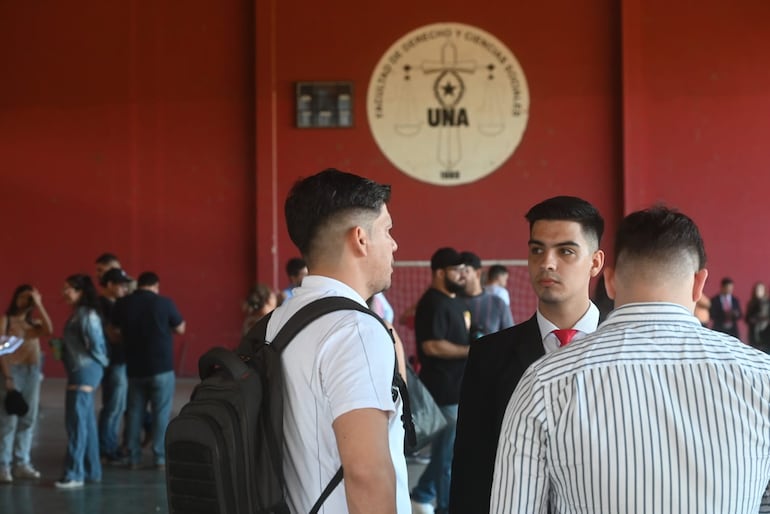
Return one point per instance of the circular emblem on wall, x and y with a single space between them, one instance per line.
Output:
448 103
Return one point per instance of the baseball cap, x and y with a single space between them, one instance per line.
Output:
115 275
471 259
445 258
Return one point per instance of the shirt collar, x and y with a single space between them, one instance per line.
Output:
311 284
585 325
654 312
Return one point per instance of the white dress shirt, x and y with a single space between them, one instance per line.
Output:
585 325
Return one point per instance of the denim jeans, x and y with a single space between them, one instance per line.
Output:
114 395
82 459
16 432
434 482
158 390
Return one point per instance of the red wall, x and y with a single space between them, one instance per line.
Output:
130 129
571 144
164 132
697 119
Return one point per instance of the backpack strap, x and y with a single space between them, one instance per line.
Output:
322 306
330 487
302 318
310 313
406 416
254 337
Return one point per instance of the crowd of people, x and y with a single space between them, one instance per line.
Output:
641 400
116 341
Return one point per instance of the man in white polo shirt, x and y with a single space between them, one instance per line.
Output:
339 406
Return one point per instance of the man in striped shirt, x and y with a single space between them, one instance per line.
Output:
651 413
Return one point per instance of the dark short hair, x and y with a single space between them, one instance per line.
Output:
496 270
106 258
569 208
660 234
294 266
148 278
317 200
727 281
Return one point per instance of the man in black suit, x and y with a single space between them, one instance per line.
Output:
563 256
725 309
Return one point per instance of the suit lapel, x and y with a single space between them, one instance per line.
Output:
531 348
527 348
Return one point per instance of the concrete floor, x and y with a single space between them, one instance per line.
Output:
121 490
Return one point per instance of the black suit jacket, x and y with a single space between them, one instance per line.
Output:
720 317
495 365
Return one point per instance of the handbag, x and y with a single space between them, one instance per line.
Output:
428 419
15 405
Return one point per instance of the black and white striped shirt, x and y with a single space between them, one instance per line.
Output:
650 414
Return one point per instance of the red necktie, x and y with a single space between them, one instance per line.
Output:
565 335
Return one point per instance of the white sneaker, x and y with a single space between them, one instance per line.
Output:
26 471
5 476
68 484
422 508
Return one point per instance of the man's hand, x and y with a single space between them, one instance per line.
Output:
37 298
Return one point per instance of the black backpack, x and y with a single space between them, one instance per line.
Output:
224 450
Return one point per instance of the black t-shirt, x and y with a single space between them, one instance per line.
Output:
114 348
439 316
146 321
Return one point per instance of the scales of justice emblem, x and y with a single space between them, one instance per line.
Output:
448 104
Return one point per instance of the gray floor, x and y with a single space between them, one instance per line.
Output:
121 490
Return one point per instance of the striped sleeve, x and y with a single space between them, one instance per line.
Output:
764 508
520 481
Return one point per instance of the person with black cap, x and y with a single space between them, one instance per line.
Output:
442 323
489 313
115 283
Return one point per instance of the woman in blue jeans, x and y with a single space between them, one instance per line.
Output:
84 354
20 371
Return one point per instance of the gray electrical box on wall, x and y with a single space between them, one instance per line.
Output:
324 104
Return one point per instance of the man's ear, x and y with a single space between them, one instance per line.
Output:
358 240
699 284
597 262
609 281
